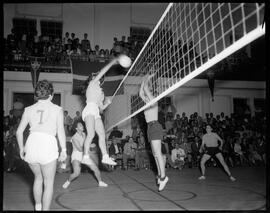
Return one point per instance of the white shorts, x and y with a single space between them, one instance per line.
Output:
41 148
76 155
92 109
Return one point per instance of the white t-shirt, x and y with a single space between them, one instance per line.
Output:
94 92
42 116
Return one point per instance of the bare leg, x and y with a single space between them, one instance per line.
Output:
48 172
204 159
38 182
76 170
156 148
99 128
90 127
221 160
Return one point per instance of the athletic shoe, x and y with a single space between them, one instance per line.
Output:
102 184
162 183
66 184
232 178
38 207
107 160
202 177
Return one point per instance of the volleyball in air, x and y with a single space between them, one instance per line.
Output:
124 61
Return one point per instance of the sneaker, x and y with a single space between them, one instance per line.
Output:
232 178
107 160
102 184
38 207
66 184
86 160
202 177
162 184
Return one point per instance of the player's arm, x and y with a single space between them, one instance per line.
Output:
106 103
19 133
221 141
105 69
61 134
142 93
202 145
146 88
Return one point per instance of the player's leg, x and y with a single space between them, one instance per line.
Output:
156 148
96 171
48 173
99 128
204 159
37 186
226 168
76 165
90 127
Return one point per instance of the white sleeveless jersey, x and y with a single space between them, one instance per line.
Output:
94 92
42 117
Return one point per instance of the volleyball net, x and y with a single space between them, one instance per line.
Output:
188 39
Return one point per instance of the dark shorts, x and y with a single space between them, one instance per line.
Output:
212 151
154 131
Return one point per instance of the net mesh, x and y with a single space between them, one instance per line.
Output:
189 39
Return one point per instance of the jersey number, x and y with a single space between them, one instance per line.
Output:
41 115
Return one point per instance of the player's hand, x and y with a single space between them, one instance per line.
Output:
200 151
107 101
63 156
22 153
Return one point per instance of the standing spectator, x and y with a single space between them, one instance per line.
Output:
169 125
141 153
18 108
67 122
73 41
86 43
65 41
12 119
129 152
178 157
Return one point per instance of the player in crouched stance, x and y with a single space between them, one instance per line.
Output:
76 158
212 148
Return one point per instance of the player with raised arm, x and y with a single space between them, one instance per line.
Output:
91 113
212 148
41 149
154 131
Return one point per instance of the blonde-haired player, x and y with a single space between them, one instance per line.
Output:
154 131
95 101
41 149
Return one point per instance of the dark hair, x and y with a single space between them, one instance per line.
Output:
43 89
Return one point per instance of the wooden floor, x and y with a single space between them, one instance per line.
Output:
136 190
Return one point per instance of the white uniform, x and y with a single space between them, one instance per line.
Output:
76 154
41 145
94 97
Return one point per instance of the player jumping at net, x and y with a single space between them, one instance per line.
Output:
154 131
95 101
212 148
76 157
41 150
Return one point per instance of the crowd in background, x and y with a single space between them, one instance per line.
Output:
57 51
244 140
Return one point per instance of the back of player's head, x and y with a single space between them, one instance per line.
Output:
43 90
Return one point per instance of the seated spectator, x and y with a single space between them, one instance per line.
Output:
238 151
116 133
141 153
129 152
169 125
115 150
178 157
187 148
254 157
195 147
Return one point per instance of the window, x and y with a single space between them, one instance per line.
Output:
51 28
24 26
139 33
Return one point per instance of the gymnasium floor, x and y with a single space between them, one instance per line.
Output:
137 191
